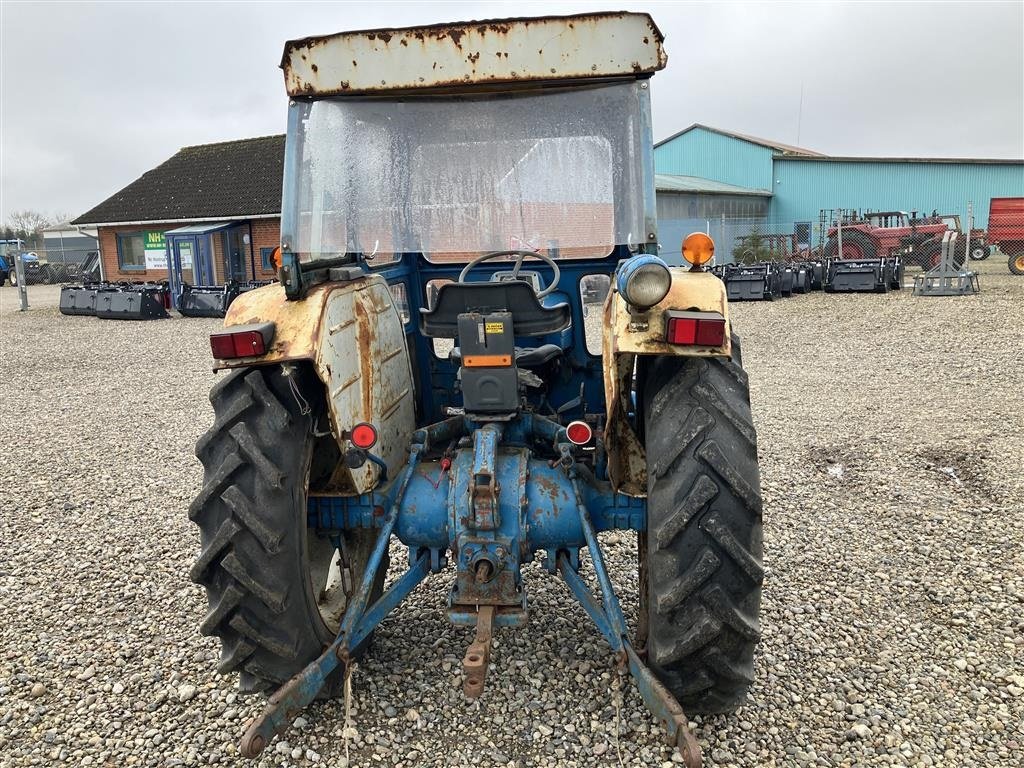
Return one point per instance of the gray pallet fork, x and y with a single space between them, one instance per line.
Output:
945 278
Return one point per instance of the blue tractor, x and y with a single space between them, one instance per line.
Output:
424 374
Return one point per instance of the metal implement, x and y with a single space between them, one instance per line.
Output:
478 655
946 279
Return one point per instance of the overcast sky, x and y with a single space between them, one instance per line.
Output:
95 94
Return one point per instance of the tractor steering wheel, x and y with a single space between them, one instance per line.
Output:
519 264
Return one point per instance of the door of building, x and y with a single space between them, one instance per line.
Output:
191 262
184 260
191 259
235 251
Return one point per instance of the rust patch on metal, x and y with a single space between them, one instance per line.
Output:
366 339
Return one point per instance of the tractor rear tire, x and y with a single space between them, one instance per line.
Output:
1016 262
271 600
703 553
856 245
931 255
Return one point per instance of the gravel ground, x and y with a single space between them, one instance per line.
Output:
891 432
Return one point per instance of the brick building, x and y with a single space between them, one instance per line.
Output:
209 214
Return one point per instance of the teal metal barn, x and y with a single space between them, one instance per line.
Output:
801 182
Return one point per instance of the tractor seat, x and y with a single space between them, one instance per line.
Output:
529 316
525 357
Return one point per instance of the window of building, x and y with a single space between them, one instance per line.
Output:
131 251
267 259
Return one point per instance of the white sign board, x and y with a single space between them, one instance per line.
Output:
156 259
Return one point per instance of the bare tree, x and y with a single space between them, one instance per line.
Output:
27 224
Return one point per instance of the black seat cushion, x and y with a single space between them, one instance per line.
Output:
525 357
529 316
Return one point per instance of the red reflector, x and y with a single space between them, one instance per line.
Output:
222 345
363 436
710 333
694 330
239 344
242 341
579 432
681 330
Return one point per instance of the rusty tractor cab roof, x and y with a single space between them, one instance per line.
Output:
476 55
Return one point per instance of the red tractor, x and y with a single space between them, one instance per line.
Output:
897 234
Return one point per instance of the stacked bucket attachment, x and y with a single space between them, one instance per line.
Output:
149 301
212 300
770 280
863 275
116 301
946 278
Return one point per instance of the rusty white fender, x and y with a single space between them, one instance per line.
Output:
626 336
352 334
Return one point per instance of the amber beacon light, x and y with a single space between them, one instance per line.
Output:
698 249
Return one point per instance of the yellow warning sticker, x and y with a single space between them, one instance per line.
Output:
494 327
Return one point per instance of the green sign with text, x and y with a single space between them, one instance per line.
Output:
154 241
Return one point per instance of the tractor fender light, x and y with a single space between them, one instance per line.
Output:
363 436
579 432
242 341
643 281
694 329
698 249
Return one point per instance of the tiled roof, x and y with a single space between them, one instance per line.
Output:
231 178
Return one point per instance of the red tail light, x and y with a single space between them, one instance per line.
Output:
242 341
579 433
363 436
694 329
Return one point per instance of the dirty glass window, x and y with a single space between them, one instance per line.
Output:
453 177
131 251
